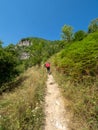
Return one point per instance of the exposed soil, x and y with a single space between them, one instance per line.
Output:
56 117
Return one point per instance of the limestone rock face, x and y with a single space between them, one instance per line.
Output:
23 44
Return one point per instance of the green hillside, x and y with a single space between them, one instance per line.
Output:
76 71
11 64
79 60
74 65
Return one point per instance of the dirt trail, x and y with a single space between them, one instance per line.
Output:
54 107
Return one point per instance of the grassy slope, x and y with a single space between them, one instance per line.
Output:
22 108
77 67
79 58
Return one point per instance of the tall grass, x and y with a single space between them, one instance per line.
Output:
78 65
23 107
83 101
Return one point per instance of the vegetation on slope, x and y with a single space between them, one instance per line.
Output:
22 108
9 62
77 74
78 64
79 60
41 50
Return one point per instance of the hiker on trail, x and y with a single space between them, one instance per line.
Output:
47 65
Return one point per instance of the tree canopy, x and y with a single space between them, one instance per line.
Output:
93 27
79 35
67 33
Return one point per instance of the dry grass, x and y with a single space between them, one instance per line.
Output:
22 108
83 100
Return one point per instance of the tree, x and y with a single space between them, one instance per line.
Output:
93 27
79 35
36 52
1 44
8 64
67 33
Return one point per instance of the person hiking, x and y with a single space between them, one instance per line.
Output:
47 65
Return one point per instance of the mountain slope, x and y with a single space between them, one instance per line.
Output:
22 107
76 71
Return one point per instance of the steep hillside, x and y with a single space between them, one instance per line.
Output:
15 59
75 68
21 108
79 59
38 50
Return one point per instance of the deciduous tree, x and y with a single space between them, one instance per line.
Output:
67 33
93 27
79 35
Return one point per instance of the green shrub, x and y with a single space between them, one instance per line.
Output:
80 58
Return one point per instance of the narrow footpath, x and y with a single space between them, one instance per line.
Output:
54 107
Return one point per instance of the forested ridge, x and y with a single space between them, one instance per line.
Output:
74 61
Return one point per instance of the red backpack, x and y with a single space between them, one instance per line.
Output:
47 64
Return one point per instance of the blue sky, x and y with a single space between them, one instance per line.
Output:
43 18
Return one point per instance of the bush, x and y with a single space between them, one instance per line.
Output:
80 59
